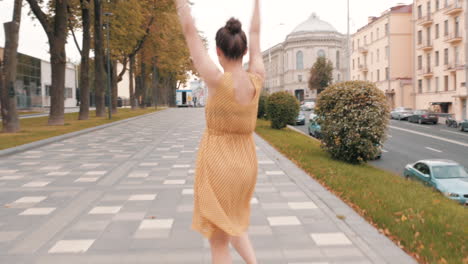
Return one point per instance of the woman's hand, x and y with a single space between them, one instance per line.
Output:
256 59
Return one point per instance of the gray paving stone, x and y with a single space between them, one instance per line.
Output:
136 158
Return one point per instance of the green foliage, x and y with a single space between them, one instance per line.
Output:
321 74
282 109
353 117
262 106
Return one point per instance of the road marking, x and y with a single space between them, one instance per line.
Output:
456 133
435 150
431 136
384 151
389 136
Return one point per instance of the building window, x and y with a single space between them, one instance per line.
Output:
437 5
299 60
457 55
387 74
429 9
299 78
419 86
419 37
446 3
419 62
286 62
378 75
437 58
47 90
38 91
372 76
419 11
358 43
378 31
353 65
446 27
352 45
387 52
437 33
428 84
372 37
337 59
446 83
437 84
372 57
457 26
68 93
338 77
446 56
321 53
387 29
378 55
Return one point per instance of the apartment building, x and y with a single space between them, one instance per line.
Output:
382 52
441 56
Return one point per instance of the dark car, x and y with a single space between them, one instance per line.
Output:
300 119
463 125
423 116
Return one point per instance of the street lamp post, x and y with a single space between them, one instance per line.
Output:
109 88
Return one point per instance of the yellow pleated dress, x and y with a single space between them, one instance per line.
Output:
226 166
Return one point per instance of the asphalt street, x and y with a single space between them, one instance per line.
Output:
408 143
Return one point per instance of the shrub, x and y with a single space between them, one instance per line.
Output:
262 106
353 117
282 109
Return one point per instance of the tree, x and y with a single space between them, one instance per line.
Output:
282 109
84 6
55 27
9 114
321 75
353 117
99 71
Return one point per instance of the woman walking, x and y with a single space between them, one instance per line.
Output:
226 168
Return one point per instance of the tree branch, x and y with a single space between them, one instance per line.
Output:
41 16
75 40
122 73
143 39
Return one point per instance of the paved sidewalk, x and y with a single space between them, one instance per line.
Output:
124 194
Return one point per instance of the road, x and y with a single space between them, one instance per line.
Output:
408 143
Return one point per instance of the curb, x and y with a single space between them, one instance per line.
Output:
302 132
43 142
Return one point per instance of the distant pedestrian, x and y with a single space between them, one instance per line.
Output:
226 168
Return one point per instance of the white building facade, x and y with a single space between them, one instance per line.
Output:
288 64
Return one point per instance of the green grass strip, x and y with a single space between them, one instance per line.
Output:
430 227
36 128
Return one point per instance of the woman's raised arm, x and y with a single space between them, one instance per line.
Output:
256 59
201 60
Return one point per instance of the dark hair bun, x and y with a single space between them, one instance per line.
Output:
234 26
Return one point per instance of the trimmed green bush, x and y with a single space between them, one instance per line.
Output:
282 109
262 106
353 117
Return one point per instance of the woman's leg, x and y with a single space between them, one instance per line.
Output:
244 247
220 248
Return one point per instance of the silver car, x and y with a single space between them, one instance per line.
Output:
401 113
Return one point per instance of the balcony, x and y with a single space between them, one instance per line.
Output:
426 72
454 67
425 21
453 38
454 9
363 68
364 49
426 46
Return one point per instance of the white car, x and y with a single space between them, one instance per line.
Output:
308 106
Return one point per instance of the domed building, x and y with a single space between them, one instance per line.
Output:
288 64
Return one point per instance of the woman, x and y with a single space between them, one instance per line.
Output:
226 169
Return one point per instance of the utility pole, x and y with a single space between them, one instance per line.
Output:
348 51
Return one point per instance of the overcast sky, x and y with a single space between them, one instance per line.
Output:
279 18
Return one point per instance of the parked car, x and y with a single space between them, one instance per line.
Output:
463 125
401 113
446 176
423 116
300 119
314 127
308 106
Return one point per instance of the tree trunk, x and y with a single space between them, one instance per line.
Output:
58 59
132 93
84 69
172 92
9 113
154 85
142 90
114 86
99 79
